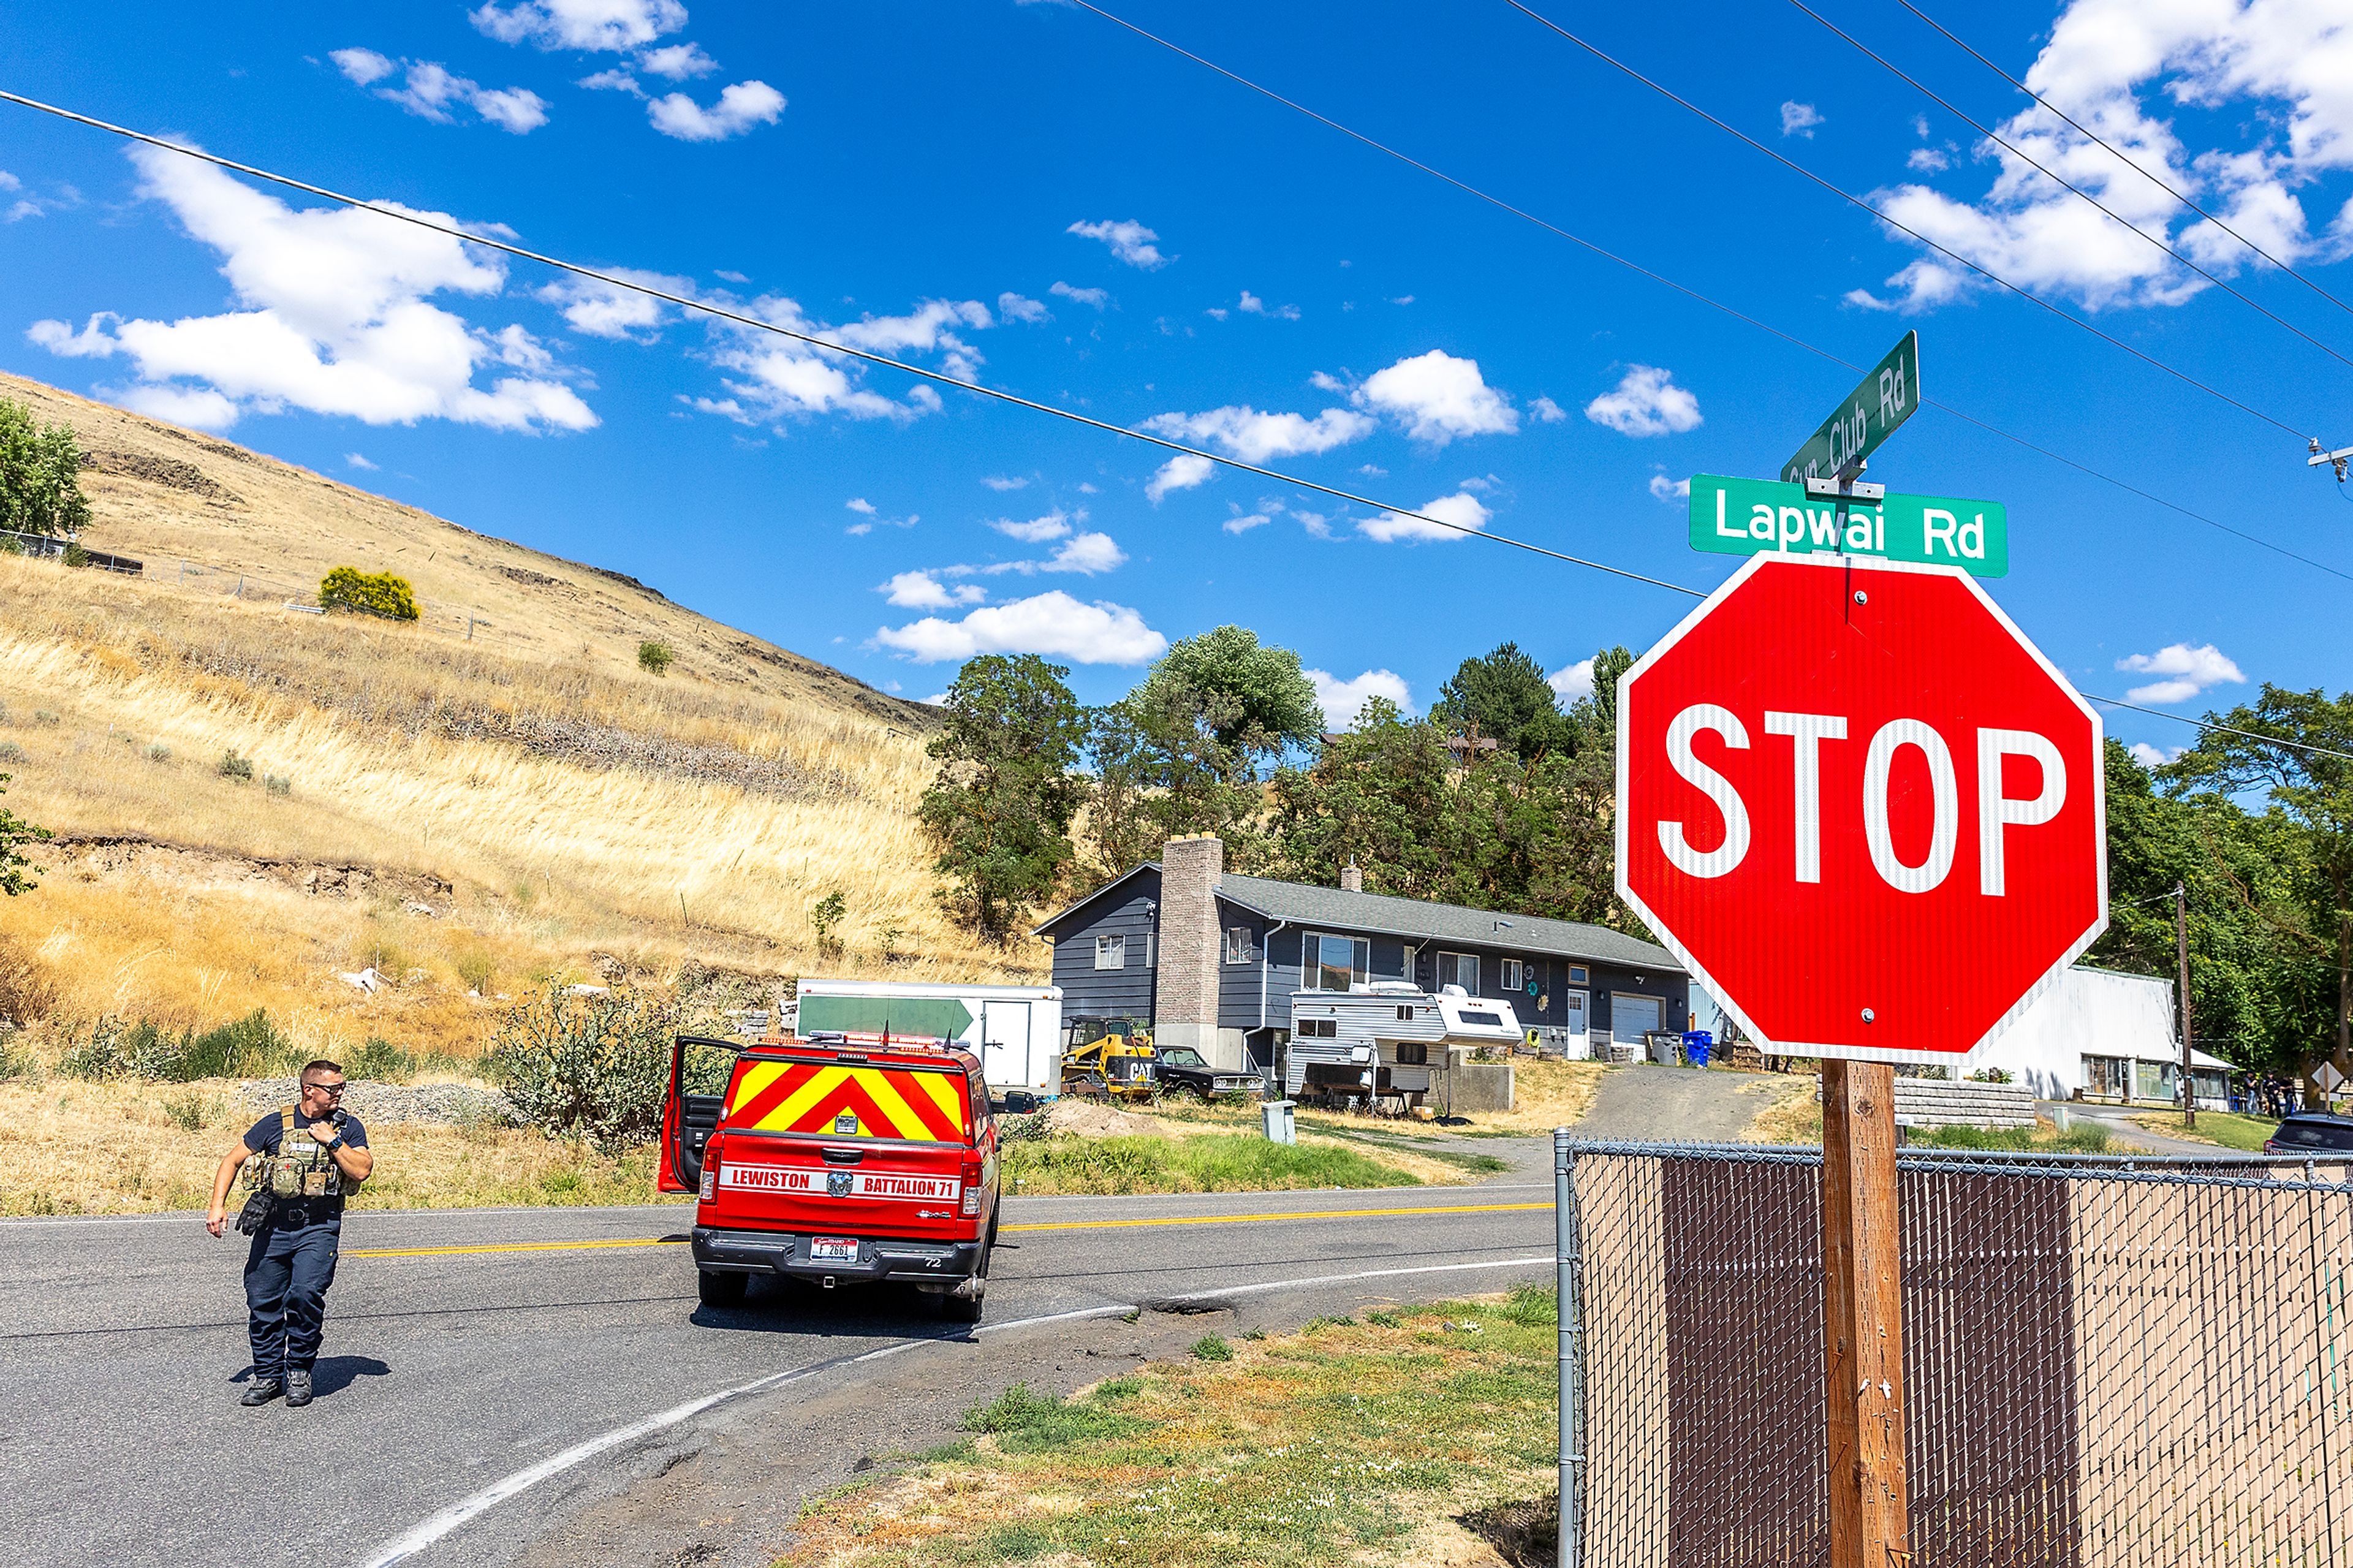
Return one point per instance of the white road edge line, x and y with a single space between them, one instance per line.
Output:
458 1513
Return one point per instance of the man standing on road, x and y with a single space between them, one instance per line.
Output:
315 1153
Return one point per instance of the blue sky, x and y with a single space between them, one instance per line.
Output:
1028 194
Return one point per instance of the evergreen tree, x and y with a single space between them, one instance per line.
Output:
1502 696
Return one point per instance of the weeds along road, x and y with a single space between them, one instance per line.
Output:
468 1354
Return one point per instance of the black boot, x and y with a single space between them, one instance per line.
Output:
298 1386
264 1390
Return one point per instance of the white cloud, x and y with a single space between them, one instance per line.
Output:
2274 75
739 108
1573 684
1097 298
1647 403
1181 472
678 62
1252 305
1547 412
603 311
1800 119
1051 623
597 24
1402 300
1243 521
1130 241
1438 397
613 80
1324 381
1002 482
432 90
1665 489
861 504
930 328
1344 701
352 459
1927 161
1463 508
1038 529
2148 756
922 591
1257 438
2187 671
200 407
777 378
1215 313
336 319
1090 554
1014 307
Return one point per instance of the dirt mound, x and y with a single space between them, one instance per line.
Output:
1087 1119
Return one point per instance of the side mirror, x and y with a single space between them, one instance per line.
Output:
1017 1102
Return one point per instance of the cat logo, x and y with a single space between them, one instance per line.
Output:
837 1183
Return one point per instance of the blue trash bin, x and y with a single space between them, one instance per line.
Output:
1697 1044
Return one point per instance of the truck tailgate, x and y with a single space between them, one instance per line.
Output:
861 1149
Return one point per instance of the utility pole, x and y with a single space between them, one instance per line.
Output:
2181 961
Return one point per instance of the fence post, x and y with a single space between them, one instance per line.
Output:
1862 1313
1571 1303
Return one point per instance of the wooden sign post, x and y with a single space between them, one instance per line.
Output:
1863 1301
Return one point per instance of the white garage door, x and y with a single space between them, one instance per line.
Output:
1632 1017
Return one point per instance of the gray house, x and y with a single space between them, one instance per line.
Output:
1213 959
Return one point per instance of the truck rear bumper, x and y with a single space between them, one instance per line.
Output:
879 1258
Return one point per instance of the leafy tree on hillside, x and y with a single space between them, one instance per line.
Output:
1001 804
15 834
40 485
1505 696
1253 700
372 593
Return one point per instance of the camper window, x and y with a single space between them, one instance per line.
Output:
1318 1028
1413 1056
1334 962
1111 952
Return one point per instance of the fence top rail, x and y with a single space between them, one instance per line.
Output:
2227 1168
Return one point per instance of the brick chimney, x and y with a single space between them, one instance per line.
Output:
1352 879
1185 1008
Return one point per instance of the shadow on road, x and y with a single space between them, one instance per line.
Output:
333 1373
807 1311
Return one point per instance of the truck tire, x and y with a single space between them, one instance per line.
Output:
720 1289
954 1309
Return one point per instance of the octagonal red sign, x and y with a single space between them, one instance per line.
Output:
1863 810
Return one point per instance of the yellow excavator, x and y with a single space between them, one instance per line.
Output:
1109 1058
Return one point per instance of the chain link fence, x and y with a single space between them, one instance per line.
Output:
2109 1362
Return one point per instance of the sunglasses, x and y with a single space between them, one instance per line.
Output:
332 1091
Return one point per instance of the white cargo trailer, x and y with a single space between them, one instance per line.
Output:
1015 1030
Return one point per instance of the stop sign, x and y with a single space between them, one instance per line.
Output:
1863 810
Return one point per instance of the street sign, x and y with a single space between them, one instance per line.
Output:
2327 1078
1746 517
1861 807
1885 399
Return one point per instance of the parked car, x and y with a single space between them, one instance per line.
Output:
2311 1132
1182 1067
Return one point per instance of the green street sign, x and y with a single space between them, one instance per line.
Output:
1747 517
1885 399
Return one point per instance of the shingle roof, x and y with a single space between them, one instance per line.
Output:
1301 904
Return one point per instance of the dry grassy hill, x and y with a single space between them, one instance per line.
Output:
480 814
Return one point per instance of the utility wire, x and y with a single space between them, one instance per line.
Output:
2023 156
1844 194
2225 728
1714 304
2094 138
738 317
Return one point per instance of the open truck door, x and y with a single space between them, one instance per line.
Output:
689 1118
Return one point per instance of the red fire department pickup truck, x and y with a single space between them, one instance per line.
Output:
839 1163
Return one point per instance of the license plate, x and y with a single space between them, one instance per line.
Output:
833 1249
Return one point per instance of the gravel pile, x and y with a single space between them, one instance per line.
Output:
383 1103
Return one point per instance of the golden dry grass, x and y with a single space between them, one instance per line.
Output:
1793 1112
1546 1094
68 1147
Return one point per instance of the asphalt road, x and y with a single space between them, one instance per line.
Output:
468 1352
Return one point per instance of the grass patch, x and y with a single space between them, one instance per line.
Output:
1207 1162
2228 1129
1794 1114
2043 1137
1351 1444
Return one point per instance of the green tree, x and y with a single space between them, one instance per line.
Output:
1373 796
1253 700
654 657
371 594
1001 804
1503 696
15 834
40 469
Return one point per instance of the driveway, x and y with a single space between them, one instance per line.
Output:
1647 1103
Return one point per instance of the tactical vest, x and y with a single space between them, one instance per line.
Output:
301 1168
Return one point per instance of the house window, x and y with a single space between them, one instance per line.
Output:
1412 951
1511 974
1238 945
1111 952
1458 969
1334 962
1578 975
1150 944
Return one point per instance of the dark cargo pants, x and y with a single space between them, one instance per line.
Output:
286 1280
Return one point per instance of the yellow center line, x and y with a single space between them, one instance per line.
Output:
470 1249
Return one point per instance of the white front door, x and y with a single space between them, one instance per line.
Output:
1574 1003
1632 1017
1004 1043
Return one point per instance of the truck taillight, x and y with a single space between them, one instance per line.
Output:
711 1170
972 1188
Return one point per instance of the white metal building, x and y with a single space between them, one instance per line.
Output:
2109 1036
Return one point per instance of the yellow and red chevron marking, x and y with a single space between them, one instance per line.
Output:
879 1102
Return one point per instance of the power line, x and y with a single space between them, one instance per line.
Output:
1689 292
739 319
2225 728
1994 136
2094 138
1844 194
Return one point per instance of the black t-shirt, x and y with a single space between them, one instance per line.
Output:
263 1139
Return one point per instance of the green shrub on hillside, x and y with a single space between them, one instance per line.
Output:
233 766
654 657
368 594
594 1067
108 1048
